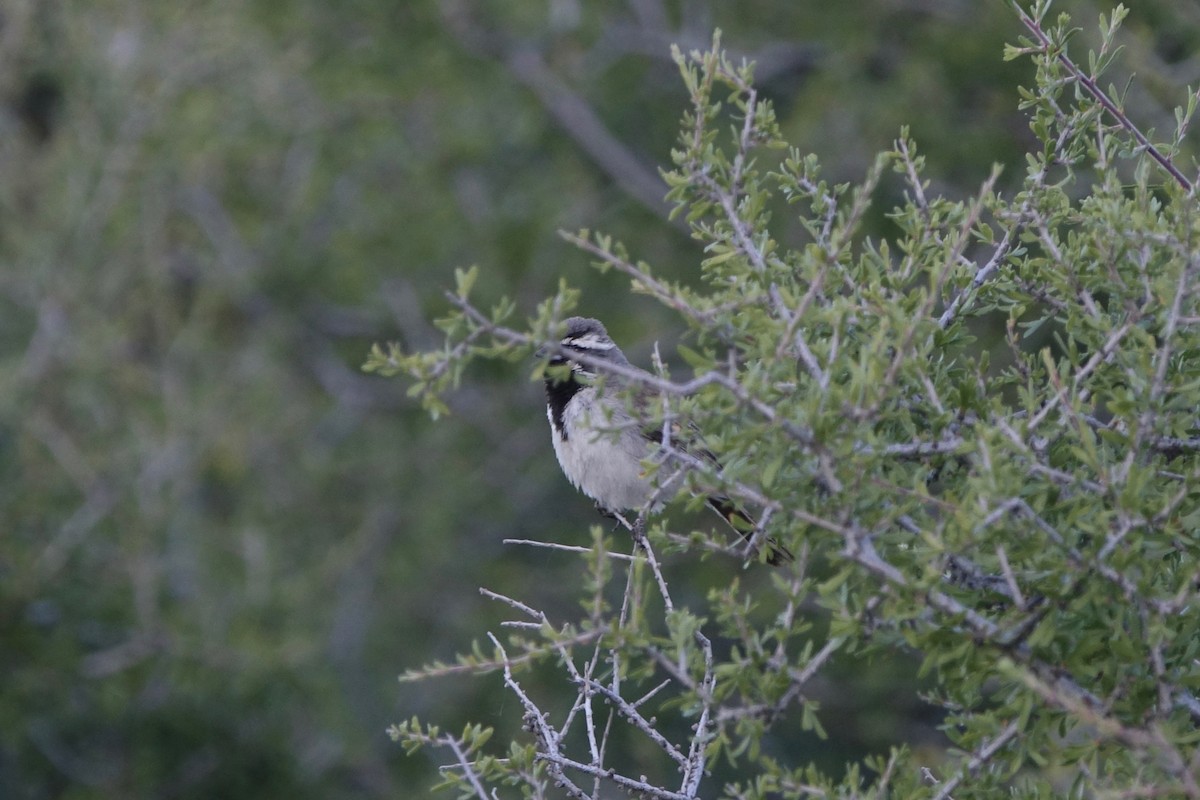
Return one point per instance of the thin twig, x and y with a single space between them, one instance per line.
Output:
1092 88
466 765
981 756
570 548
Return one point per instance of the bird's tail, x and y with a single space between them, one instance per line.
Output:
740 521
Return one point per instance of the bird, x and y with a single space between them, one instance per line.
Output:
601 445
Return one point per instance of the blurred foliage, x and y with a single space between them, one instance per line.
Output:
221 542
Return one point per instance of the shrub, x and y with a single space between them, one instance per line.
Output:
978 435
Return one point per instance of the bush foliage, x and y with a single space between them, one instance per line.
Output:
978 434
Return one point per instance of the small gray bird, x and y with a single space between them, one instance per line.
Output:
600 444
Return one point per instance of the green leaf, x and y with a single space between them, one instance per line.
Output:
464 280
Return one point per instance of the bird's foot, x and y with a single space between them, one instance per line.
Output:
606 512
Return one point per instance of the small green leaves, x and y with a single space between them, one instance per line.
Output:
700 362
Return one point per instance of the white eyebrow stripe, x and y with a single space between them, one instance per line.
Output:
590 341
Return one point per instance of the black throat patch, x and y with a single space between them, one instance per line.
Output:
558 394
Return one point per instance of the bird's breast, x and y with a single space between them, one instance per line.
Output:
600 458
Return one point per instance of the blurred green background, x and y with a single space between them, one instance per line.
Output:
221 542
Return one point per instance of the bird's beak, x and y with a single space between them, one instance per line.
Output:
541 352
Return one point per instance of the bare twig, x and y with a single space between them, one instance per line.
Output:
570 548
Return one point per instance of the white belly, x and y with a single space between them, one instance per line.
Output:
602 463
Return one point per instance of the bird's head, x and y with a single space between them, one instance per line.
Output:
588 337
